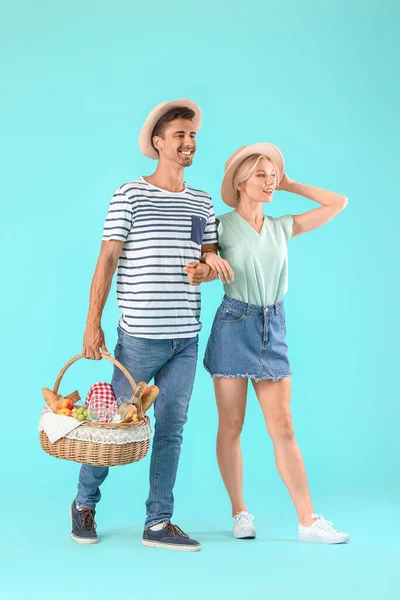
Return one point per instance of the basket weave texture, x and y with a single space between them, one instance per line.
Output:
96 453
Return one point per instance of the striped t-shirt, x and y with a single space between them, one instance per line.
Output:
162 231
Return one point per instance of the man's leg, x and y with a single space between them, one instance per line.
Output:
175 380
143 358
90 480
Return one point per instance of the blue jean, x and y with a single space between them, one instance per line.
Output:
172 364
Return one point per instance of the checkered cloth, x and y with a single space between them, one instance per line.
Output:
101 399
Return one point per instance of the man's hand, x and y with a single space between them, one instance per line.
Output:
93 339
197 272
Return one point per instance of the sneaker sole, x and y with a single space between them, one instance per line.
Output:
322 540
79 540
245 535
171 546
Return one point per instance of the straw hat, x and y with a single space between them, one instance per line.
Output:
145 136
228 192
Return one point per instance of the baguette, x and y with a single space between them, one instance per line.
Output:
50 398
149 396
143 385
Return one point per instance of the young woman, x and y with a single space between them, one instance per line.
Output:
247 339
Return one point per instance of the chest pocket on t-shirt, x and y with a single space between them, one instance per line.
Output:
198 227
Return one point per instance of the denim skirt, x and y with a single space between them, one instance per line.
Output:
247 340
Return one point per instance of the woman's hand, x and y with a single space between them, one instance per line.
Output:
221 266
285 183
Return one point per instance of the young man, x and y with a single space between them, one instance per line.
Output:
156 230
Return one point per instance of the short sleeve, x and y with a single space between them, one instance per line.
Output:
119 217
210 232
286 223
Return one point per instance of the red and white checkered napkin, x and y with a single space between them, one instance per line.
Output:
101 399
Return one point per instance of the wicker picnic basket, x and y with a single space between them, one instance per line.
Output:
101 444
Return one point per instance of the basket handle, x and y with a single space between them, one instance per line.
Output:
110 358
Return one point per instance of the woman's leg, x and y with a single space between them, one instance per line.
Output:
231 396
274 398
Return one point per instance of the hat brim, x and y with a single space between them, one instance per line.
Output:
145 136
228 193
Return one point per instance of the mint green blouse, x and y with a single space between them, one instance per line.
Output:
259 260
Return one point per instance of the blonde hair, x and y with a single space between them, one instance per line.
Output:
246 169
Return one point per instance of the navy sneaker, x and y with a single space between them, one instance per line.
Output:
83 525
171 537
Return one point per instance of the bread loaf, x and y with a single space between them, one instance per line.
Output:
50 398
149 396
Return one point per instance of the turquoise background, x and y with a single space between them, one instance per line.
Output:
319 79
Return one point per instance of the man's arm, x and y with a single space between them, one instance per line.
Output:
209 248
93 338
213 249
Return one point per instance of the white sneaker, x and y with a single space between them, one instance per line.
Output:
243 526
322 531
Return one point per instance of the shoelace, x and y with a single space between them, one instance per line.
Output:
244 520
325 525
87 519
175 530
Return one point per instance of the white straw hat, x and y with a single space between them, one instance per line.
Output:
228 193
145 136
